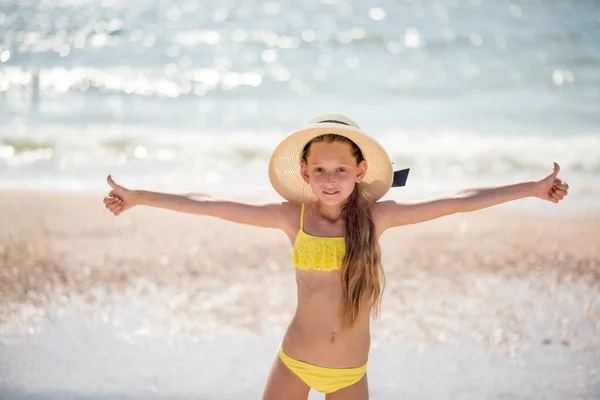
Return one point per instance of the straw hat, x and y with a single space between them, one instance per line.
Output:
284 167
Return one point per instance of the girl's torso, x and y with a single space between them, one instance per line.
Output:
315 334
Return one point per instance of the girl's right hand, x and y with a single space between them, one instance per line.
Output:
119 199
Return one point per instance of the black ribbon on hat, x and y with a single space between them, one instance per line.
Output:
400 176
334 121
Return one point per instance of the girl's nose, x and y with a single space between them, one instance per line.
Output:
330 179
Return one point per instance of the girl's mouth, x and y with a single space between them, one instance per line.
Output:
331 192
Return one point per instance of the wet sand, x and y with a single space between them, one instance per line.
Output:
499 302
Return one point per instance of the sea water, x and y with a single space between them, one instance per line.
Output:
195 95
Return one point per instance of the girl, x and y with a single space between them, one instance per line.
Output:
332 175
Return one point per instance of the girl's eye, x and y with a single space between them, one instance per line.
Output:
341 170
318 169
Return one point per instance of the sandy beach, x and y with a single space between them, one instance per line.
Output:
499 303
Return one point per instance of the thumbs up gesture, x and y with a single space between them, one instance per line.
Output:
119 199
552 188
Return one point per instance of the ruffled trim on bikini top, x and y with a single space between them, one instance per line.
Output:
316 252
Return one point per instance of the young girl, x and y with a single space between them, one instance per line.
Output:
332 175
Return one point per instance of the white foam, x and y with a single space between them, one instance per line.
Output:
237 163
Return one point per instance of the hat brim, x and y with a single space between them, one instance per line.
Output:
284 166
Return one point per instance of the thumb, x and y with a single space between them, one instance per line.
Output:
556 169
112 183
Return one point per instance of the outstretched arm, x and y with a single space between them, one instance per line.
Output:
268 215
390 213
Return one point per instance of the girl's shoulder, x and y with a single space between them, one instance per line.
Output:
380 208
380 213
290 209
291 213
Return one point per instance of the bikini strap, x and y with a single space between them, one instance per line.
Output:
302 217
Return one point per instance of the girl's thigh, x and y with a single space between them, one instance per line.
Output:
358 391
283 384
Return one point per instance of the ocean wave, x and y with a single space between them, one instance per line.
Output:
427 153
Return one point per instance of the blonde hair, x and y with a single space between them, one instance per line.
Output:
362 275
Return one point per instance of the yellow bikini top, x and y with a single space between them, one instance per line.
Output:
316 252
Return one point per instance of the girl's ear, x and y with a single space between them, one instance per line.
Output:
362 171
304 172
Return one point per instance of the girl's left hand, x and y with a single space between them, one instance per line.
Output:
552 188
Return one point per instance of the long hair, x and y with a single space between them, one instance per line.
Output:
362 275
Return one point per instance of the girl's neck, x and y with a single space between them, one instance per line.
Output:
330 213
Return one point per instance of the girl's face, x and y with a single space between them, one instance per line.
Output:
331 171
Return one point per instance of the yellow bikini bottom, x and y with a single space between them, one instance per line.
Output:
322 379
